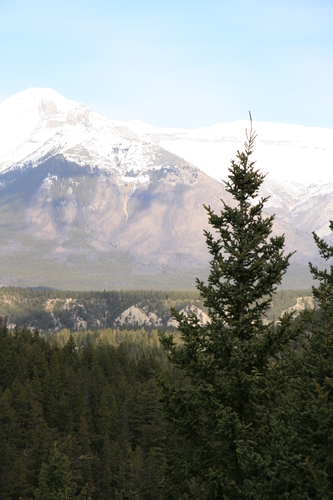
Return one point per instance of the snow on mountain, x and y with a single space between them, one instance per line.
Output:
39 123
129 216
286 152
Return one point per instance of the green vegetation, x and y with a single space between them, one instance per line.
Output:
303 424
220 415
48 310
253 417
88 420
235 408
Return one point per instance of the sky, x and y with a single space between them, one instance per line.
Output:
175 63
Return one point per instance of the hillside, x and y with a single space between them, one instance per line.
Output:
51 311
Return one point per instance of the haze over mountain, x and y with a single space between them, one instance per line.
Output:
86 202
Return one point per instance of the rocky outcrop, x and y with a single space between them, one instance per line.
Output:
300 306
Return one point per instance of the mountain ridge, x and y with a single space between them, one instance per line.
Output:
81 192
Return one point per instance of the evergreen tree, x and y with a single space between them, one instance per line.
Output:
221 412
55 479
316 422
323 294
308 406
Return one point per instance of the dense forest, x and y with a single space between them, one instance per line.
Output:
85 413
96 410
237 407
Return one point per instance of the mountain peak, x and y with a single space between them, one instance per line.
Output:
146 190
29 99
40 121
37 121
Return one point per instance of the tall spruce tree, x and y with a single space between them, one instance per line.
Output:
220 412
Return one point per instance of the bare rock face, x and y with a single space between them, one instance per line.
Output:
136 316
68 213
300 306
81 217
191 309
140 315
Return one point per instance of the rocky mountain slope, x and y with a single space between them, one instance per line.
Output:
86 202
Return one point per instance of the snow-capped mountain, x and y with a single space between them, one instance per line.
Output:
88 202
285 152
39 123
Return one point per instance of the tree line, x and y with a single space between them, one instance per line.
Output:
53 310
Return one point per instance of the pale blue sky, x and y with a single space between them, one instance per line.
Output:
181 63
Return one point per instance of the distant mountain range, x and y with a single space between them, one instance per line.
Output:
90 203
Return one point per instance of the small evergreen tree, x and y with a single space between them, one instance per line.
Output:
221 412
55 480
